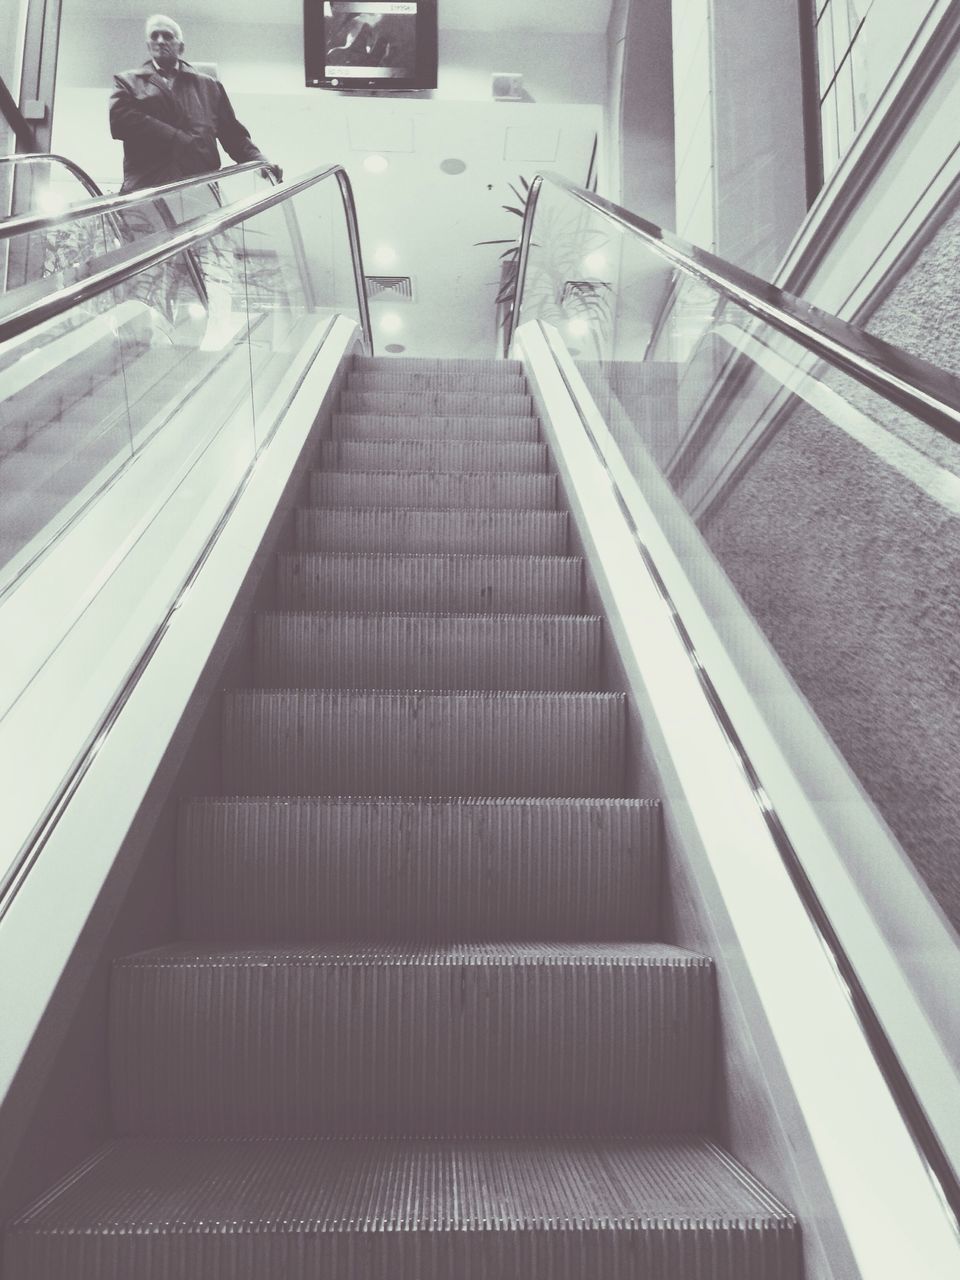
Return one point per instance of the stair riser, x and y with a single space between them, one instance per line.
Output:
460 532
614 1252
443 584
433 456
499 404
398 652
355 744
516 428
265 1048
255 872
431 491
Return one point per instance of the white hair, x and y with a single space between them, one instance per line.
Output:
161 19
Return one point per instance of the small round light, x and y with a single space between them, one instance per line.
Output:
595 262
395 348
453 166
390 322
578 327
384 255
376 164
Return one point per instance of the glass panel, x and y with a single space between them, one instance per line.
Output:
295 261
69 244
843 93
64 425
29 185
829 133
830 512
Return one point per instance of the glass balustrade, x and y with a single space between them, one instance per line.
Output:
815 521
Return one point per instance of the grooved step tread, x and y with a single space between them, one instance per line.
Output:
432 425
456 1038
322 742
554 1209
486 404
307 869
487 531
460 491
440 582
427 651
436 456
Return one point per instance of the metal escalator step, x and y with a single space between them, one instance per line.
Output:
525 491
440 364
379 1039
431 380
395 529
320 742
312 870
487 405
368 581
433 455
431 425
427 651
557 1209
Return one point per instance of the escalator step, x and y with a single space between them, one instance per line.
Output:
524 491
318 742
365 425
438 364
392 529
448 456
366 581
488 405
381 1039
427 651
510 382
311 870
559 1209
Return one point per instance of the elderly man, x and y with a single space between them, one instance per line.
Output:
169 116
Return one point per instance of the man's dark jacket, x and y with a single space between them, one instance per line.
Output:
169 129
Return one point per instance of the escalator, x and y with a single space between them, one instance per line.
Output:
445 936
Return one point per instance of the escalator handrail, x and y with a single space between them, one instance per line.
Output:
186 237
116 203
918 386
50 157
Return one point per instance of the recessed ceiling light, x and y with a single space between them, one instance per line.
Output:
395 348
453 165
595 261
578 327
384 255
376 164
390 322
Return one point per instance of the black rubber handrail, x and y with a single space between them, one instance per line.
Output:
186 237
106 204
49 157
930 393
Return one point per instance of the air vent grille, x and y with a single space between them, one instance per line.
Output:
394 288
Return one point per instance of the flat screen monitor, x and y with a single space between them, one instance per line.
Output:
377 46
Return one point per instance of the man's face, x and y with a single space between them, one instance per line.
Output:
165 48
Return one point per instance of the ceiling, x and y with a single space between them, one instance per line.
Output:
558 16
